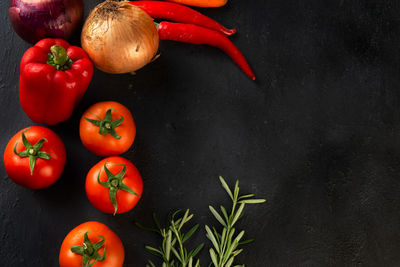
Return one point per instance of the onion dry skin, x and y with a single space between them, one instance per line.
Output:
34 20
119 37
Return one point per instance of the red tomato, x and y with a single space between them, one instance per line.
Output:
107 129
120 185
74 254
37 160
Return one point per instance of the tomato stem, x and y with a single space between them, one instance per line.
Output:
89 251
32 151
114 183
107 125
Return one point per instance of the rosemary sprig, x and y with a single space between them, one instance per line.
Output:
225 244
172 252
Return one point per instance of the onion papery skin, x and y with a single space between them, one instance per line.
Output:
119 37
34 20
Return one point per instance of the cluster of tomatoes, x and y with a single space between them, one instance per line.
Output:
35 158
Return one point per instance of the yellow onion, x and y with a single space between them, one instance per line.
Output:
119 37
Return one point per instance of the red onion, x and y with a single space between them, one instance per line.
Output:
34 20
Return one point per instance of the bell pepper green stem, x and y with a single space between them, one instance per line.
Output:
58 58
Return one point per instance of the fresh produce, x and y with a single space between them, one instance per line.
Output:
172 252
119 37
114 185
199 35
179 13
122 39
35 157
225 243
107 129
38 19
201 3
53 78
91 244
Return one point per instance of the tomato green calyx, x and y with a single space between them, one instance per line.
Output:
32 151
90 251
58 58
114 183
107 125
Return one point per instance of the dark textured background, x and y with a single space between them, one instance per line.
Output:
317 135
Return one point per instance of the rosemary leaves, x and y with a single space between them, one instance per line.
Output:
225 244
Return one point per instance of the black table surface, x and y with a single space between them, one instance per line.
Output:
317 135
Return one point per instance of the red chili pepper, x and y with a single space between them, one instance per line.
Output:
179 13
54 76
198 35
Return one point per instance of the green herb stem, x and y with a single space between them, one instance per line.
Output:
226 243
173 252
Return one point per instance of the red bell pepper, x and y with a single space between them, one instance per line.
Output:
54 76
